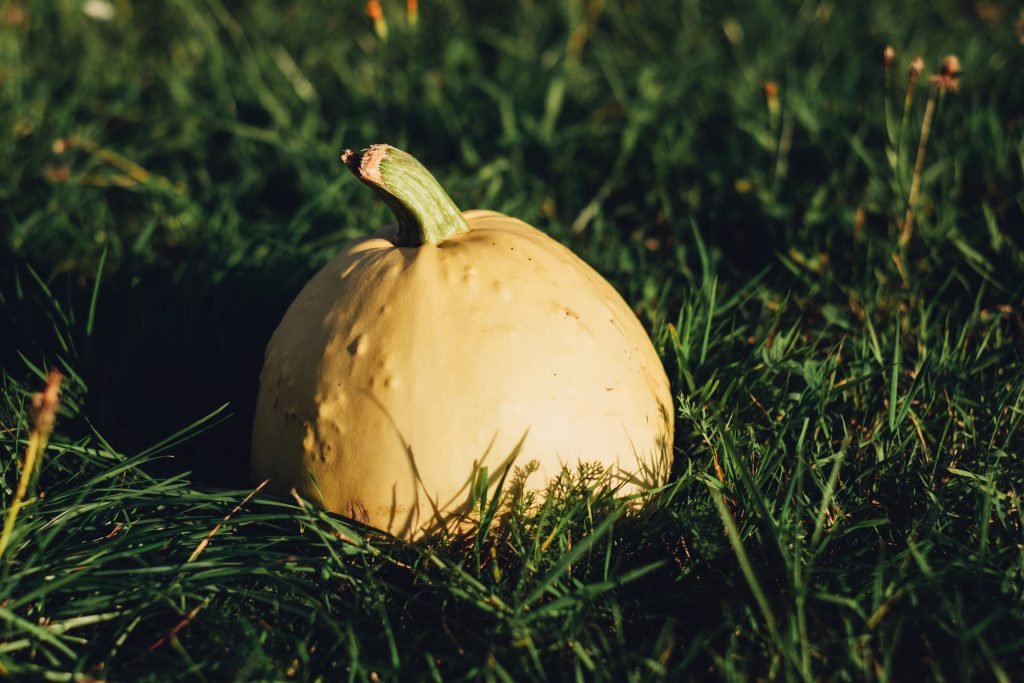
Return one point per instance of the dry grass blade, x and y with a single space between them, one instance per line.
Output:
206 540
173 633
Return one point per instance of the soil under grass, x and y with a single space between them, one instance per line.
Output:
849 393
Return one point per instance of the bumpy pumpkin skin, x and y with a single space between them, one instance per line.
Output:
398 371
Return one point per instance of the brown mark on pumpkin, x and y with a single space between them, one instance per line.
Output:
571 313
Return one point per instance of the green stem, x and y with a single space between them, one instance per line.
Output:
425 213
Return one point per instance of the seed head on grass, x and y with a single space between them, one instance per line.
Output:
946 79
941 83
916 69
375 11
44 404
888 56
888 59
44 414
771 96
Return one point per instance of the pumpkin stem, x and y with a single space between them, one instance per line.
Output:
425 213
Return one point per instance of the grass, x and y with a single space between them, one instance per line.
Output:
846 498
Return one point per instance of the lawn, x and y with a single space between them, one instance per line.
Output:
827 251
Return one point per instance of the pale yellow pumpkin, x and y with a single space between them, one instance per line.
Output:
400 371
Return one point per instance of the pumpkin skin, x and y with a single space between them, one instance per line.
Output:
399 371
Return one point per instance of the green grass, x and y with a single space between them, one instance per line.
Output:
850 461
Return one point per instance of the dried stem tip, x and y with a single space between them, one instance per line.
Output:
916 67
951 66
44 413
771 94
44 403
888 56
946 79
424 211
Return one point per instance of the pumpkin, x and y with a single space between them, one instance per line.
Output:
446 344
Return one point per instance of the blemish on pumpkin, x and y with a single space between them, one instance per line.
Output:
571 313
502 289
359 346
